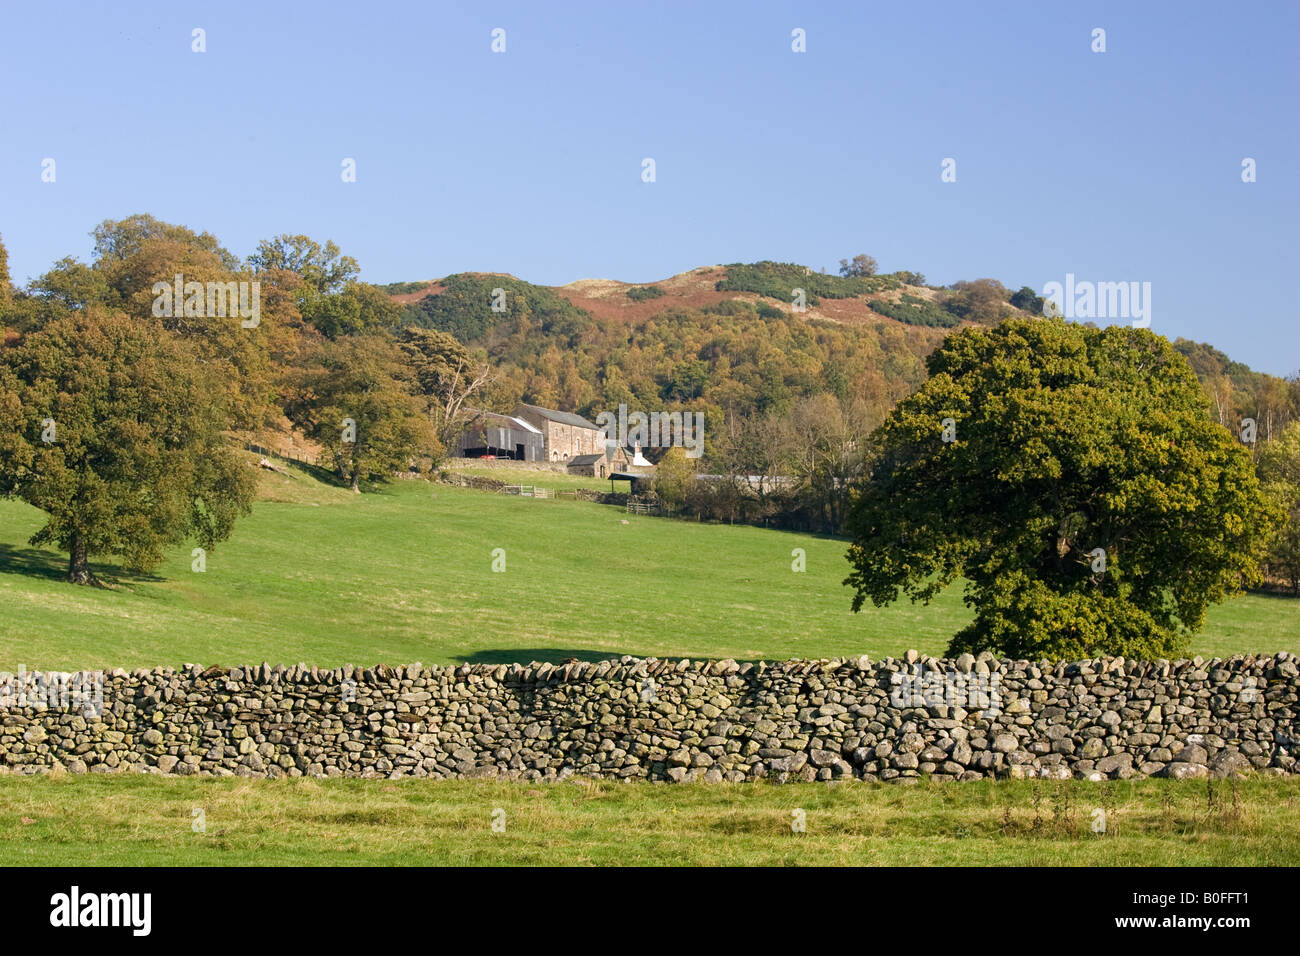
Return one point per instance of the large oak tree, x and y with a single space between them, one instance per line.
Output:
111 426
1086 494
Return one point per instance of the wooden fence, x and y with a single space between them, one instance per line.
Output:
528 491
300 458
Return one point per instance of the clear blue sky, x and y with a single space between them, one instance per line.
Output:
1123 165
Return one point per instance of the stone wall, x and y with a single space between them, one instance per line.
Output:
570 441
479 482
601 497
491 484
511 464
665 720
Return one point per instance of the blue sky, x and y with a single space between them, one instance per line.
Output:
1115 166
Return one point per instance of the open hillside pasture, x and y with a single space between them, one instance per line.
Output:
404 573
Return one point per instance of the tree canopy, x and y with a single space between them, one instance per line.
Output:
355 399
5 291
113 429
1075 478
860 265
118 239
322 267
1279 470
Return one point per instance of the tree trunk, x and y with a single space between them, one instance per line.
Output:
356 481
78 565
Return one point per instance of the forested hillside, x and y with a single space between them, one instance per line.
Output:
740 349
792 368
731 360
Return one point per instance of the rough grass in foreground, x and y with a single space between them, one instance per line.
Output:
133 820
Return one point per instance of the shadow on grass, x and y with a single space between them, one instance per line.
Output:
524 655
326 476
53 566
843 537
1276 594
330 477
555 655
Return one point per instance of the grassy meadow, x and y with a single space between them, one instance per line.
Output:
404 573
140 820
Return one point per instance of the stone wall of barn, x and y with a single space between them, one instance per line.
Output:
640 719
569 440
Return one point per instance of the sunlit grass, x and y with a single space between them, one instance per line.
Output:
124 819
320 575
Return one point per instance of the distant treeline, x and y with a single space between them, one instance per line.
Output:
381 386
742 358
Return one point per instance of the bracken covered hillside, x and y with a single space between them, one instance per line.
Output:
729 341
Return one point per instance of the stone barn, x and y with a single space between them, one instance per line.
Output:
564 434
598 465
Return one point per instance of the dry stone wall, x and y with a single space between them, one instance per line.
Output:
652 719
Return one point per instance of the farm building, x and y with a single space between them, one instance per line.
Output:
599 465
500 436
564 435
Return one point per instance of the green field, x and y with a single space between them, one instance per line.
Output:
148 820
404 574
319 575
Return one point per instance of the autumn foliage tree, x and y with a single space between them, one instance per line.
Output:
1279 470
5 291
979 300
445 376
674 478
324 268
1075 479
134 255
354 397
859 265
112 428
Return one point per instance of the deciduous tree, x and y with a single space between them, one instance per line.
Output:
859 265
446 377
113 429
354 398
979 300
1279 470
1083 491
323 267
674 478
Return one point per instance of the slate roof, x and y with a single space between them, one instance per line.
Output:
585 459
564 418
498 420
